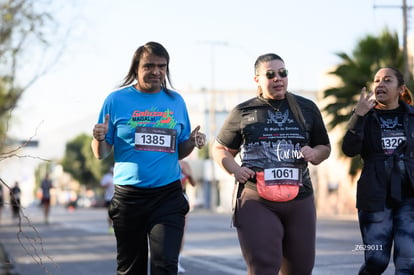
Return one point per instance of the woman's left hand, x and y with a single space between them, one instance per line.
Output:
308 153
316 154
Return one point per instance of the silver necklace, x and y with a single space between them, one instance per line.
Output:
276 109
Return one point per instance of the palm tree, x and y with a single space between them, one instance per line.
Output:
355 72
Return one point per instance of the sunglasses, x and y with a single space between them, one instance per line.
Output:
271 74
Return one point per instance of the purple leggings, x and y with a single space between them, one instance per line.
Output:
274 232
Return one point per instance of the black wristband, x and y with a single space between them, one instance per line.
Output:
100 140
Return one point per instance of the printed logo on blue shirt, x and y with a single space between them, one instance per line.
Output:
153 118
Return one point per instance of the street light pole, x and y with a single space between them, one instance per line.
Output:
212 115
405 45
405 9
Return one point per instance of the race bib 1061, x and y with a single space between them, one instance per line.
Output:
283 175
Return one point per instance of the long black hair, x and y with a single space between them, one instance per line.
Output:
153 48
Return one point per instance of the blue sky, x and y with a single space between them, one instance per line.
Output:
212 44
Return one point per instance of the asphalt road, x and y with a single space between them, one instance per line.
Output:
78 242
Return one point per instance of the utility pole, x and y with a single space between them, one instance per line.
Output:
405 9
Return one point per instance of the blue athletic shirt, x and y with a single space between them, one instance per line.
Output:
145 130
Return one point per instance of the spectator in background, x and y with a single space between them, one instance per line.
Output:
186 177
1 200
107 183
15 194
46 185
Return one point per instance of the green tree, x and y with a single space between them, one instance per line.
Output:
355 72
81 164
26 31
